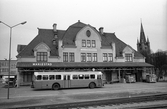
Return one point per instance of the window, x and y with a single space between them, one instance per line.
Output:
93 43
75 77
99 77
83 43
4 64
89 57
92 76
88 33
51 77
83 57
65 78
45 77
65 57
110 57
5 69
104 57
94 57
71 57
128 57
86 76
42 56
58 77
81 76
39 77
89 43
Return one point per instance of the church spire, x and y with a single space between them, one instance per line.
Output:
148 40
144 45
142 35
137 41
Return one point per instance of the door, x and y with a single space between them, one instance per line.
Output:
99 80
45 81
67 81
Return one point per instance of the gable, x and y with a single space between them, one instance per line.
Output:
42 47
44 36
128 49
71 32
88 32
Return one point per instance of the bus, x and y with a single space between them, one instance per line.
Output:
57 80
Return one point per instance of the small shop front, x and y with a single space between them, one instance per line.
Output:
112 72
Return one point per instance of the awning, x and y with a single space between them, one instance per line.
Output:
80 64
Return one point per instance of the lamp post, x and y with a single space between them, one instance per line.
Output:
10 48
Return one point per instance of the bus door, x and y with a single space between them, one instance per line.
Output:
99 80
67 81
45 81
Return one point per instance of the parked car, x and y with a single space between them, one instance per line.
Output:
12 82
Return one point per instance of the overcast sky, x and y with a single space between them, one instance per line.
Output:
120 16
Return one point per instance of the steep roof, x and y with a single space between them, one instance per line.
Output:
108 38
142 35
46 36
71 32
20 48
68 37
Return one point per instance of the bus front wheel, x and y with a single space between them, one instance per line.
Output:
56 86
92 85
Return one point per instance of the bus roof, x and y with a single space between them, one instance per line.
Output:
75 72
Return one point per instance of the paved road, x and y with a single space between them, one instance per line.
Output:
26 96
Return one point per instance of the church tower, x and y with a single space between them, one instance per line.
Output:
143 46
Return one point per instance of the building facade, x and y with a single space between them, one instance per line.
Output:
4 68
79 48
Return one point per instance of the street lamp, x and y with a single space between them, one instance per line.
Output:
10 48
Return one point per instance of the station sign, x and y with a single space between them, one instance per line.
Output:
42 64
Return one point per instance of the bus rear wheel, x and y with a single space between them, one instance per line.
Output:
92 85
56 86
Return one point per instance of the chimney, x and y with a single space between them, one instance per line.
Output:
101 30
55 27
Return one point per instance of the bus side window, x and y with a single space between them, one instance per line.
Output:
86 76
39 77
51 77
81 76
75 76
92 76
45 77
99 77
65 77
58 77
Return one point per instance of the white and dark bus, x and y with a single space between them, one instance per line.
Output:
57 80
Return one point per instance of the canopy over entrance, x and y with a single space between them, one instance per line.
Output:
81 64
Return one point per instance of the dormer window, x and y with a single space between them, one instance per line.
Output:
42 57
42 52
128 54
128 57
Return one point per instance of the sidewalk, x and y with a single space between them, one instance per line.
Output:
25 96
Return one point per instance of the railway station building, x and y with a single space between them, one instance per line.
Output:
81 47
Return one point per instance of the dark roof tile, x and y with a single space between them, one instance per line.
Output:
46 36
